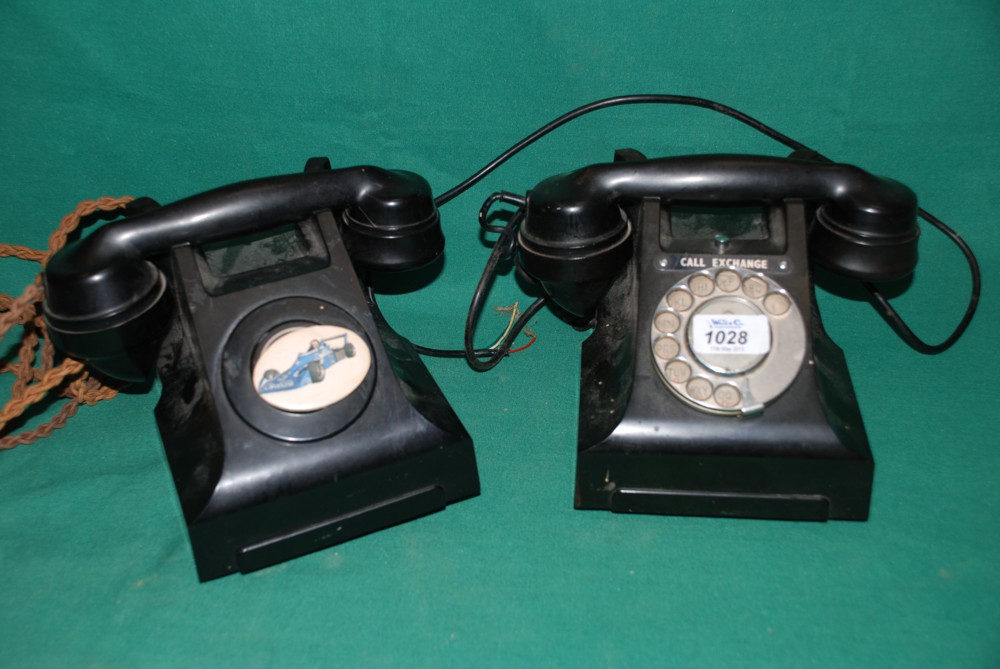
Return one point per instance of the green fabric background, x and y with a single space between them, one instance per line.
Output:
168 99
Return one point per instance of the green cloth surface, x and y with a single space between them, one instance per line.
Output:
170 99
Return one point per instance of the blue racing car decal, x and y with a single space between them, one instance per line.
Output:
309 367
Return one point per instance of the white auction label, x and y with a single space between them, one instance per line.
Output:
730 334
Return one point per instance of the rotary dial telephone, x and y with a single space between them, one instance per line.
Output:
709 386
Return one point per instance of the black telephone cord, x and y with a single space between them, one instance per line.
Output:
617 101
896 321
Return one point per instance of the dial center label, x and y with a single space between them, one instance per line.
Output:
730 334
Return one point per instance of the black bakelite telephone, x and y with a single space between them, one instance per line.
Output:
709 386
292 415
696 271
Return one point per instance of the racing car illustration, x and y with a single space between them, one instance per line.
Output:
309 367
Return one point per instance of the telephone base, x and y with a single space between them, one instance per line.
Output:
642 449
292 415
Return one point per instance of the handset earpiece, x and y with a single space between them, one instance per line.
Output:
105 301
393 225
869 231
574 234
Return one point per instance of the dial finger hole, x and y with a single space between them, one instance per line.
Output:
701 285
667 322
666 348
681 300
677 371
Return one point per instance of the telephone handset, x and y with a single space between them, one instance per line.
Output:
574 225
709 386
105 299
284 394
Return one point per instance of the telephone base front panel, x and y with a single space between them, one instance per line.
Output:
724 486
293 417
651 440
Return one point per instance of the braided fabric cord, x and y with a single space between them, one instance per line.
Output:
35 371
